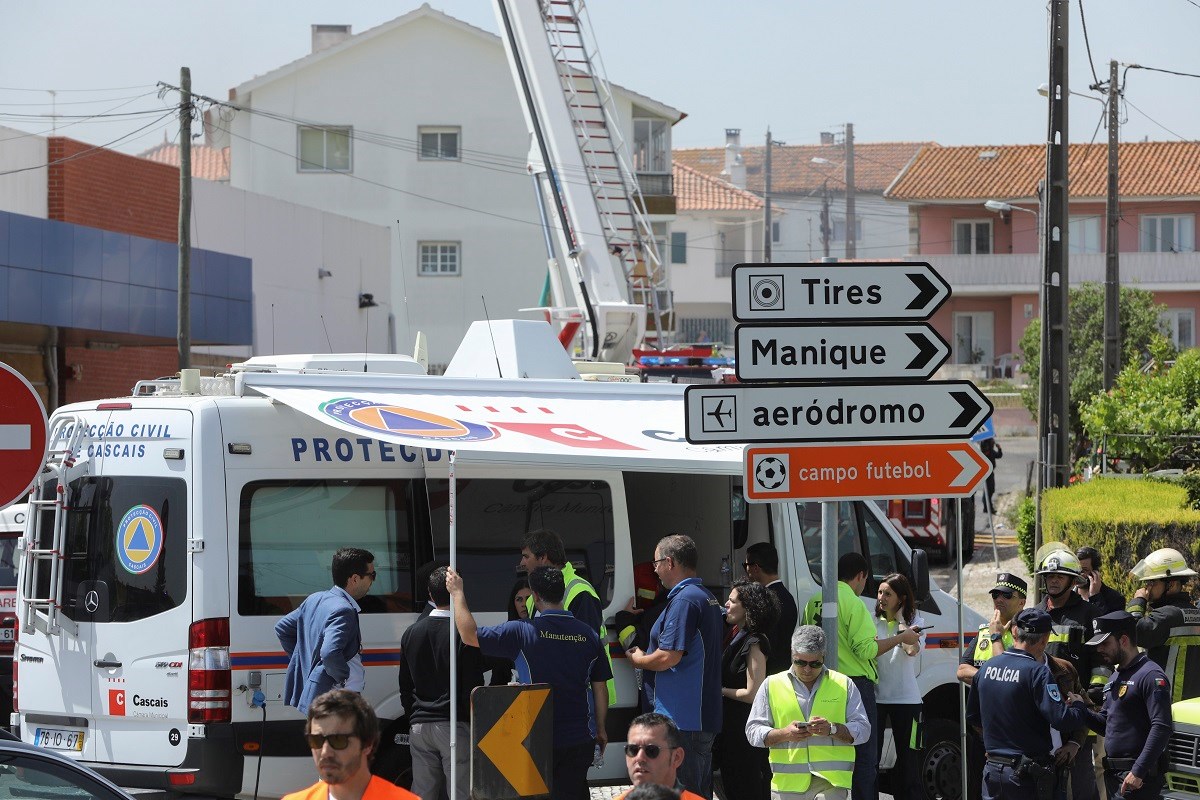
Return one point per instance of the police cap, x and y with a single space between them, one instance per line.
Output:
1007 582
1033 620
1113 623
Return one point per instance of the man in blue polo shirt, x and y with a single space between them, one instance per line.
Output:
684 659
557 649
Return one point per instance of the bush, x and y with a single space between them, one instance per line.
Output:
1026 528
1125 519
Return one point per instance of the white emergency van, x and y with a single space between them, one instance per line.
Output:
12 526
191 517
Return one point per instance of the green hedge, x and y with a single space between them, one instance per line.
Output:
1123 518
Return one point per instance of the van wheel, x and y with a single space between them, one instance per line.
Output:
394 762
941 762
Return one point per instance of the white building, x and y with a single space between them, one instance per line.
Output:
415 124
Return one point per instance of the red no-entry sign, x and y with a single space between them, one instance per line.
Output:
22 435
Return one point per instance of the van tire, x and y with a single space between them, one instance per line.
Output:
940 768
394 762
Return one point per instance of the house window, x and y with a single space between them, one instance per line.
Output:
972 237
324 148
1173 233
1180 326
1083 234
678 247
651 145
973 337
775 233
439 258
439 144
839 229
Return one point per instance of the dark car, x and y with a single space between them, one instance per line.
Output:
29 771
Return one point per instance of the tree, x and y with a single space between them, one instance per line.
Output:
1141 332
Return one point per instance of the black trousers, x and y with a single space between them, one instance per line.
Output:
1149 791
1005 783
906 783
571 771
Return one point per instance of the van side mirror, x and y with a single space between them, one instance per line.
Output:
918 573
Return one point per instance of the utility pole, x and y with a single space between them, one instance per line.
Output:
1112 268
767 201
185 218
851 234
1053 410
825 231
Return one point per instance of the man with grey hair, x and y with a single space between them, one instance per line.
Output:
810 718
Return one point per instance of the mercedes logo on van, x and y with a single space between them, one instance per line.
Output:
91 601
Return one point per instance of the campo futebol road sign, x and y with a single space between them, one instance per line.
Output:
866 352
836 291
833 413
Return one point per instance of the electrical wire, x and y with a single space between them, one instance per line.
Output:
1167 71
90 150
1088 45
1156 122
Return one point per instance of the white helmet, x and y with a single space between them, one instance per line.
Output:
1166 562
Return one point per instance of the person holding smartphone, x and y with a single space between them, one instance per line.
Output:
897 695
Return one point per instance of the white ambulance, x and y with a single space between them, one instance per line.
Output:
193 516
12 526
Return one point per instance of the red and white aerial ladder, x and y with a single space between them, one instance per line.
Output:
609 284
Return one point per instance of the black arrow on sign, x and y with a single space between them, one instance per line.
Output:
970 406
925 351
926 290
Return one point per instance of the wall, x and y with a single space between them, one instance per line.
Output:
23 192
884 228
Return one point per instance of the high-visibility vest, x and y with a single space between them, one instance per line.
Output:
983 644
1183 657
576 586
794 763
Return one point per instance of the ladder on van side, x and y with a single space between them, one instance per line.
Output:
42 589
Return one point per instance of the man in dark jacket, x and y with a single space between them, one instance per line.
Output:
425 692
1168 621
762 565
1103 599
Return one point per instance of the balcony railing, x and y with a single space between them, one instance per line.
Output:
656 184
1023 273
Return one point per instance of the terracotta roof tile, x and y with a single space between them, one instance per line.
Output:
695 191
876 165
209 163
1012 172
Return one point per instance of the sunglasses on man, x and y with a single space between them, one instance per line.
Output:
338 741
799 662
1001 593
652 750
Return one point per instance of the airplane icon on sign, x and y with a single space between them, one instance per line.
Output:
722 409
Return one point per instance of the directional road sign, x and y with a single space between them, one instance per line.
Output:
868 352
512 741
863 471
22 435
823 292
833 412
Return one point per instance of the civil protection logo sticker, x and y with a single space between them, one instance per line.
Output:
139 539
375 417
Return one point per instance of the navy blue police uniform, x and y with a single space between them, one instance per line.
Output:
1016 701
1135 719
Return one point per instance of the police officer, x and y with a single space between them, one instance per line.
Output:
1136 717
994 637
1016 701
1059 572
1167 619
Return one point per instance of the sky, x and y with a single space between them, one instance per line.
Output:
957 72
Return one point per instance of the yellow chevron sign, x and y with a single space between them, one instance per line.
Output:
512 734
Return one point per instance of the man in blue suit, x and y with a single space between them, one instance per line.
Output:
321 637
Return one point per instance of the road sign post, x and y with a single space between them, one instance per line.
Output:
22 435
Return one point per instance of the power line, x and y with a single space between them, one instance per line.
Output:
106 89
90 150
1156 122
1167 71
1088 44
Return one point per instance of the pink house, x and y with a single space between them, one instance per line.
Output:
992 259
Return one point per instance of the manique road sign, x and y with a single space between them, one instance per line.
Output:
838 291
833 412
868 352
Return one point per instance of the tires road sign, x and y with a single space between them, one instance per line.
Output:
823 292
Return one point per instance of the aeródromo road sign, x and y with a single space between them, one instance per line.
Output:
842 291
833 413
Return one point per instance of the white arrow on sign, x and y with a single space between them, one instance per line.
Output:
907 351
834 413
823 292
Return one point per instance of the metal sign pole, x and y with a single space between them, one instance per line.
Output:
453 634
962 693
829 582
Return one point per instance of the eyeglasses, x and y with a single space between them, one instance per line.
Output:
658 561
799 662
338 741
652 750
999 593
748 564
370 575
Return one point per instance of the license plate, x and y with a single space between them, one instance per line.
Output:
58 739
8 634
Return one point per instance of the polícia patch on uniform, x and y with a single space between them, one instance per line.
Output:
1052 690
139 539
376 417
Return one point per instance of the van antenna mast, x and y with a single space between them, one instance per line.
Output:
272 329
328 343
491 333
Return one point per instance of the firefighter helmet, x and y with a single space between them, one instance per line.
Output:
1055 558
1166 562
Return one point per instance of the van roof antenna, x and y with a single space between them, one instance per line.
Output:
328 343
491 333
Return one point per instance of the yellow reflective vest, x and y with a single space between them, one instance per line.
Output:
794 763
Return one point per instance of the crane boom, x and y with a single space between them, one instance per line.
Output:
587 194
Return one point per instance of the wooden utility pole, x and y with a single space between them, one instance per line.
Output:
767 201
184 334
825 227
1112 268
851 233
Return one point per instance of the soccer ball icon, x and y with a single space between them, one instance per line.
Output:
770 473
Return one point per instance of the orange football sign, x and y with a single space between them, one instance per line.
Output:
863 471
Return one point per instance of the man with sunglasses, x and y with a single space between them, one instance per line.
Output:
343 734
322 638
654 753
810 718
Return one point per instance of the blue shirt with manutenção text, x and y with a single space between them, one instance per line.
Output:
690 691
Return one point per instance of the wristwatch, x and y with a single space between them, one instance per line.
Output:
996 637
832 729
